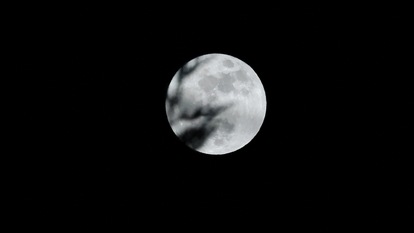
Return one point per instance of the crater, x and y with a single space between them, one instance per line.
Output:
228 63
208 83
226 126
241 76
226 83
218 142
245 92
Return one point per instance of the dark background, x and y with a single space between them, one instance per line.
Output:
95 150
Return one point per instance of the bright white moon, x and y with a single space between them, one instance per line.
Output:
216 104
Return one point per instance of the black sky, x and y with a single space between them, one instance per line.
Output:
94 148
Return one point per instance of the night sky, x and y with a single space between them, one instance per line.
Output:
94 149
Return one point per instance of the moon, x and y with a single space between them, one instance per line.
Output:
215 104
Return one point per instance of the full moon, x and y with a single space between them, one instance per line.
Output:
216 104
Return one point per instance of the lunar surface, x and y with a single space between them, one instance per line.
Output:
216 104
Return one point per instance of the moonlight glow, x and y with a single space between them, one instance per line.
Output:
216 104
